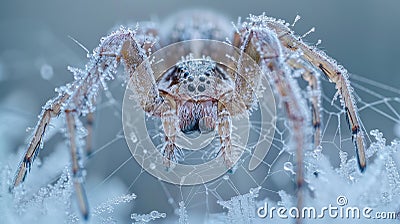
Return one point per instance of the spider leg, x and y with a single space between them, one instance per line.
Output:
263 46
77 93
89 137
336 74
170 123
141 78
77 166
52 109
224 125
79 97
311 77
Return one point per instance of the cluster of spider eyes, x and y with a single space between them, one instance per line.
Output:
195 80
189 78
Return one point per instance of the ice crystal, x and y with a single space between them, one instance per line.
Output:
103 211
241 208
183 216
145 218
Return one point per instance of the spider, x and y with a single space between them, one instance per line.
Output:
197 95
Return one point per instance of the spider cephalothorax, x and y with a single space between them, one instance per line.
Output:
192 85
201 95
197 93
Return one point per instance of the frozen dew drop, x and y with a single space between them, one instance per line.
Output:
288 166
254 191
298 17
134 216
171 200
317 151
152 166
46 71
343 156
318 42
182 212
154 213
225 177
145 218
182 180
133 137
28 129
310 31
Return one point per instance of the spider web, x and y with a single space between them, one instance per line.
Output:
112 171
272 180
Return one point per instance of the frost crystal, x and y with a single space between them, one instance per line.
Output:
102 212
145 218
52 201
241 208
108 206
183 216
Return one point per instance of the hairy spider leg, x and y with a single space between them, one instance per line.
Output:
336 74
264 47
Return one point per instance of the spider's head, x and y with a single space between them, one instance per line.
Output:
196 85
198 117
196 77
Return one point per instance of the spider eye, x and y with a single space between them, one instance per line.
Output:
185 74
201 88
202 78
191 87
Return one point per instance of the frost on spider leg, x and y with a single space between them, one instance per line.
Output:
77 99
241 208
78 96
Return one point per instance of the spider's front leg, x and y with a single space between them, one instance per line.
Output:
170 124
143 84
263 46
52 109
78 98
224 125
